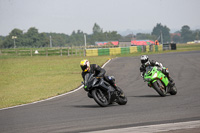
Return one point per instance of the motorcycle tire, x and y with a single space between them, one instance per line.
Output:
100 98
159 87
173 90
122 100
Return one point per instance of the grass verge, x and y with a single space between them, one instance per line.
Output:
28 79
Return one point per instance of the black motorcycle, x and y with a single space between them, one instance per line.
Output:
102 92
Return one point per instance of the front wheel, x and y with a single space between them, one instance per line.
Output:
100 98
122 99
159 87
173 90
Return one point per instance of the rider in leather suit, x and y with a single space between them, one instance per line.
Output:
146 62
98 72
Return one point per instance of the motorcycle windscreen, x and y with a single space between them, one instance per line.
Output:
88 78
149 69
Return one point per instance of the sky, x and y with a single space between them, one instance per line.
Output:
66 16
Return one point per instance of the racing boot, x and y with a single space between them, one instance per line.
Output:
171 82
112 82
118 90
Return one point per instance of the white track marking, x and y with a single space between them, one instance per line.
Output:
54 96
153 128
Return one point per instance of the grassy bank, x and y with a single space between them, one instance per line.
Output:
27 79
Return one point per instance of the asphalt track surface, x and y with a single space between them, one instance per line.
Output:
78 113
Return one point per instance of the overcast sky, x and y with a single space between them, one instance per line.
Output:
65 16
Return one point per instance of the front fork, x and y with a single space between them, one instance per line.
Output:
167 88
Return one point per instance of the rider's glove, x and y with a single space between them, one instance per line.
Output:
142 75
160 64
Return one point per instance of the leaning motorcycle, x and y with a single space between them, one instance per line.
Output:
159 81
102 92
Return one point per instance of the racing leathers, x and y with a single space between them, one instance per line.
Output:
100 72
160 66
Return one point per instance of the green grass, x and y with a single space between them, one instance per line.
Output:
27 79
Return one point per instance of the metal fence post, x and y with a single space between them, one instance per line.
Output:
31 52
71 51
68 52
46 52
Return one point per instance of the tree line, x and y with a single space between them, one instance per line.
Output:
32 38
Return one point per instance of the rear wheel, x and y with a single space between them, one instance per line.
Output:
100 97
160 88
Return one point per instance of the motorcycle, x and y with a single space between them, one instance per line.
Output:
159 81
102 92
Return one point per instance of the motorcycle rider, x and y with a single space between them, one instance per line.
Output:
98 72
146 62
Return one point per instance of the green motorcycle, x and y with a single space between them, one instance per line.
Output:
159 81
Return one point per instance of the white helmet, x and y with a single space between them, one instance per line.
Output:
144 59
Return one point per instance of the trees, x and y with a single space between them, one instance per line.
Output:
32 38
145 36
9 43
58 39
97 29
1 41
196 34
186 34
76 38
164 30
99 35
176 38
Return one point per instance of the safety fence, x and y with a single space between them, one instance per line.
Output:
80 51
123 50
62 51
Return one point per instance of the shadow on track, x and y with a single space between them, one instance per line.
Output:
93 106
147 96
86 106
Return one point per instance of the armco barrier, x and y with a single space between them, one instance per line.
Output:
115 51
92 52
147 48
153 48
133 50
160 47
139 48
103 51
123 50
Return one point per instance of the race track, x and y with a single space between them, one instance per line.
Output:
75 112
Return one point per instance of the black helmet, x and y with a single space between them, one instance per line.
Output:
144 59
